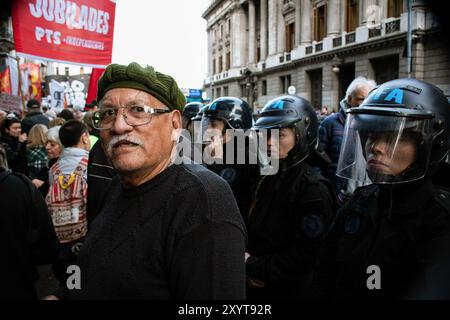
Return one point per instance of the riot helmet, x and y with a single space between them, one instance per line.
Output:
226 113
399 134
191 109
291 111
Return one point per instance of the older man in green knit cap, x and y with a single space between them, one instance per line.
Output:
165 231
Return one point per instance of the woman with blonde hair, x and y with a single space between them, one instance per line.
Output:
37 156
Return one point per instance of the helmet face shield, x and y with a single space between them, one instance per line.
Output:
210 130
384 149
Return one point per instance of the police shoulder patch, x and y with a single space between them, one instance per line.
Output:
312 225
352 224
229 174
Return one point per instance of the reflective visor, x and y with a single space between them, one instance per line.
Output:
384 149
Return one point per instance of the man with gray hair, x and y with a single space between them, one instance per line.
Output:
331 129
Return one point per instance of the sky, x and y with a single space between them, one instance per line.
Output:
169 35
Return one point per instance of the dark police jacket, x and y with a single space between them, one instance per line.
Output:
289 217
240 176
401 231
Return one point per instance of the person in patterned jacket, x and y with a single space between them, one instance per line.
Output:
67 196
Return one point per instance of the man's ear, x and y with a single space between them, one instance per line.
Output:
176 119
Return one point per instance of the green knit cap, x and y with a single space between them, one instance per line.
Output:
161 86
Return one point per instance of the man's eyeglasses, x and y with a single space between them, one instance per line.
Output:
138 115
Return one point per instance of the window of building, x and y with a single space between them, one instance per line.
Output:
214 66
218 92
228 61
225 91
220 64
258 53
315 79
290 37
264 87
66 71
229 25
221 31
352 15
395 8
285 83
320 22
243 90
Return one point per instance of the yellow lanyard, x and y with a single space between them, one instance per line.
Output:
66 185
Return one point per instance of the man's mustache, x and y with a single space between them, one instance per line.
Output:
116 140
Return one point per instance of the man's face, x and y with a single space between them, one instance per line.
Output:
286 143
138 149
382 158
358 96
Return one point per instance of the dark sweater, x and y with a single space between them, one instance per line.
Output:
177 236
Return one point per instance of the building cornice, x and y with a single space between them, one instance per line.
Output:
211 8
340 53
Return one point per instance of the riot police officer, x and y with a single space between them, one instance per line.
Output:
190 110
222 122
392 239
292 209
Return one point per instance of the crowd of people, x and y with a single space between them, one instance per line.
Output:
357 190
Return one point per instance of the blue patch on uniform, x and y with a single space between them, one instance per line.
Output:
229 174
352 224
396 94
313 226
277 105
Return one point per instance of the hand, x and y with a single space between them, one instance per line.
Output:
23 137
51 297
38 183
255 283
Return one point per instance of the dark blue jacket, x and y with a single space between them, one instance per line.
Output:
331 132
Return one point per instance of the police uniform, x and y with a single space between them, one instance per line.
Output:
240 177
392 239
291 214
235 114
291 210
404 231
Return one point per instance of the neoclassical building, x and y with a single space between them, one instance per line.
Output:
257 49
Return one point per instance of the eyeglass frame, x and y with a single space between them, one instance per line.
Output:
151 111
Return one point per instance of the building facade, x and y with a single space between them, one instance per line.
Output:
257 49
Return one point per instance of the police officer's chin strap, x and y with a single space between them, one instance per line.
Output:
410 174
296 156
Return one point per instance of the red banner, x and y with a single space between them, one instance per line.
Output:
77 31
92 91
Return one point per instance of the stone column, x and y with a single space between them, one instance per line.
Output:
272 27
210 54
263 30
251 32
306 22
239 38
333 18
298 10
281 32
